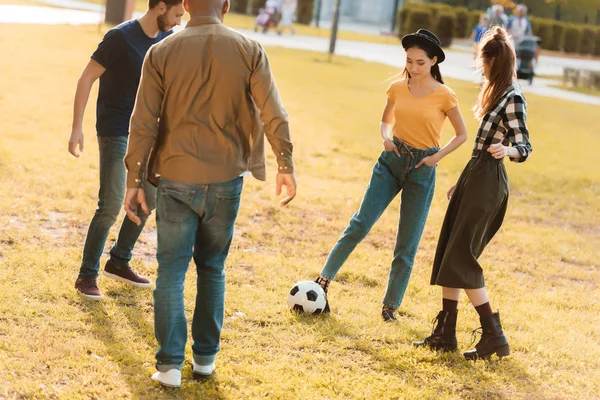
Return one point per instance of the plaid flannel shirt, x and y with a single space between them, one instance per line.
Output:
506 123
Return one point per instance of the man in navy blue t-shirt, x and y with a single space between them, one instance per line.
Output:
117 62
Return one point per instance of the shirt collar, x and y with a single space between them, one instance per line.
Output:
204 20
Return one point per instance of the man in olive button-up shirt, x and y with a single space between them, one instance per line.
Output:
205 96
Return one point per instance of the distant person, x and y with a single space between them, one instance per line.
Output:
518 25
117 62
288 11
497 16
480 29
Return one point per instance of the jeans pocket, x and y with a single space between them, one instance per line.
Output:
226 210
176 203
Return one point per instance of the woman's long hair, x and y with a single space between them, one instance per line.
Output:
497 52
435 70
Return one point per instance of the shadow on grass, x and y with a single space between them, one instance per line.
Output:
493 379
133 364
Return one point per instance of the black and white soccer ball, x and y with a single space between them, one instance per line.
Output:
307 297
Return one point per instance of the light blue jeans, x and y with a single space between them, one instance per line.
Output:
192 221
391 174
110 201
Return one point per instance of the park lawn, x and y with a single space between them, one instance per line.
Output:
541 269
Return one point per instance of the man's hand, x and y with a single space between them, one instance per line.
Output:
289 182
76 139
133 199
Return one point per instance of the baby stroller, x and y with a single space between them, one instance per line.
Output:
526 50
268 17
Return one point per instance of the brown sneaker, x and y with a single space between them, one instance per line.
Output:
125 274
88 288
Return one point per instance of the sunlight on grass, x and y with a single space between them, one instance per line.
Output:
542 268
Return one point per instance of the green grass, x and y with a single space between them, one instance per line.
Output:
584 90
541 269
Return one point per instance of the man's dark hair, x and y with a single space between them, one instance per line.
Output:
169 3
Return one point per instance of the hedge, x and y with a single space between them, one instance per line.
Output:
572 39
304 12
445 28
554 35
239 6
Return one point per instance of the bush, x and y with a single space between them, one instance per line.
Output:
304 12
557 37
256 5
418 19
588 41
473 20
572 40
445 28
403 21
462 28
239 6
597 46
543 28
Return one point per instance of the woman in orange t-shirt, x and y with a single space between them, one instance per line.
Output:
420 104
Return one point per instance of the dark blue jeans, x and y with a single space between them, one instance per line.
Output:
110 200
391 174
192 221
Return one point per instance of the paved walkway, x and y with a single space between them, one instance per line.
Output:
457 64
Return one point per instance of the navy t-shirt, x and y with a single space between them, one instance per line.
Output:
122 53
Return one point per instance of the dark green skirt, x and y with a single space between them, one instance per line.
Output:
474 215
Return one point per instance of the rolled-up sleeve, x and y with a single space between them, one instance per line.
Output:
143 128
515 120
272 113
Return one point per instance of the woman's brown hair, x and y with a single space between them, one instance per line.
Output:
497 52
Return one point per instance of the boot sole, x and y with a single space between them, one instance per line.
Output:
90 296
121 279
501 352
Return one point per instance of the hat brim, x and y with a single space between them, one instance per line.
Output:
420 41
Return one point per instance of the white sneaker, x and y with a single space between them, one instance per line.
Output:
171 378
203 370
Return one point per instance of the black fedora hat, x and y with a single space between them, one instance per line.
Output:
425 39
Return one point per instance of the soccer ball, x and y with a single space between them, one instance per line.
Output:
307 297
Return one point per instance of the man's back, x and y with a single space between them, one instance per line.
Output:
205 84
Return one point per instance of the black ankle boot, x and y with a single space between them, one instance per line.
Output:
324 283
492 340
443 336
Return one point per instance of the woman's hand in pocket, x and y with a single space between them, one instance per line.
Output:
389 145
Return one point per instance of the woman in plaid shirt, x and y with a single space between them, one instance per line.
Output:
478 201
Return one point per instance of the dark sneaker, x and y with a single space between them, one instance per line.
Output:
88 288
125 274
388 314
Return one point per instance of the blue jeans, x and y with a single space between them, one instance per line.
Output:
110 200
192 221
391 174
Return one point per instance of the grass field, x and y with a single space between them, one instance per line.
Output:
542 268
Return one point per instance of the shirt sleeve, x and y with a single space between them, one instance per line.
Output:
272 113
451 101
143 128
390 91
515 120
109 49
